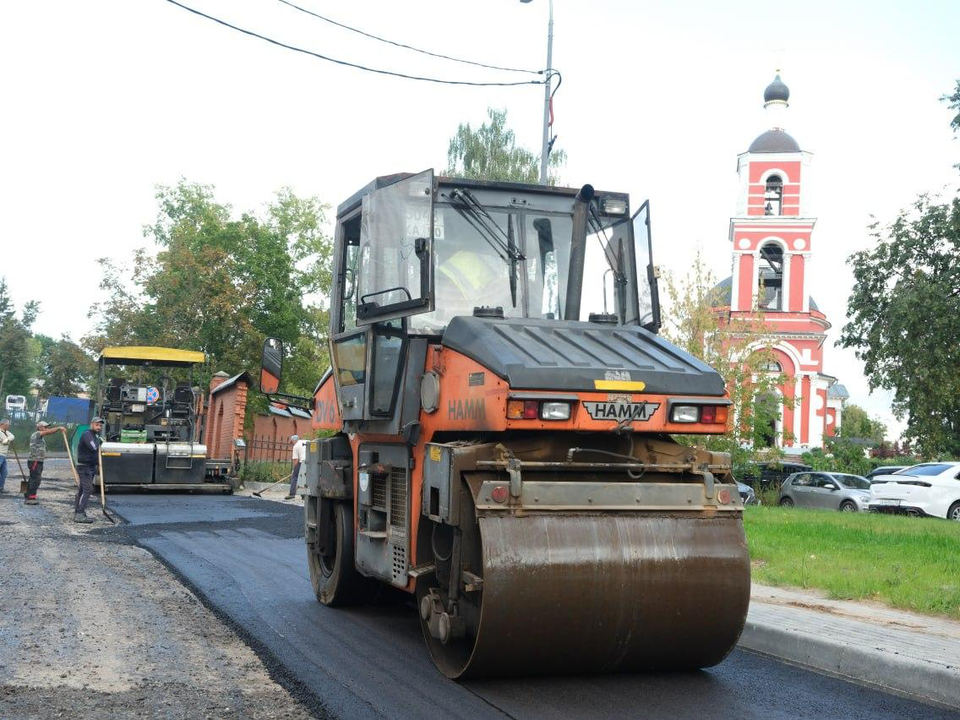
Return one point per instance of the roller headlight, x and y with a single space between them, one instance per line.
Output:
555 411
685 414
614 206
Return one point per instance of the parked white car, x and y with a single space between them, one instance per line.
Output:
926 489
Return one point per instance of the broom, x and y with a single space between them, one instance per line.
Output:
259 492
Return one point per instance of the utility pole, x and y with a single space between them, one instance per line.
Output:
545 145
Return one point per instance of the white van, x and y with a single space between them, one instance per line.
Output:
16 405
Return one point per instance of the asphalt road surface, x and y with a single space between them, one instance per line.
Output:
245 558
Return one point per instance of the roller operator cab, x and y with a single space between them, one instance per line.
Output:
503 413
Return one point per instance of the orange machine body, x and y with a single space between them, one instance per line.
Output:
473 399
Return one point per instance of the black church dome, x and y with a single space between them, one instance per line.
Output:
777 90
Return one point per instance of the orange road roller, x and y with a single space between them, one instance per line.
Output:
501 418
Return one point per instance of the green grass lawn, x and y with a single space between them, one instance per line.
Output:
909 563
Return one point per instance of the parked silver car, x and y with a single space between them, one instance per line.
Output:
826 491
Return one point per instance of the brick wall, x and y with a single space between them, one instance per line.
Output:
225 413
270 439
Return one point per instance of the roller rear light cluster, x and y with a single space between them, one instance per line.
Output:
538 410
706 414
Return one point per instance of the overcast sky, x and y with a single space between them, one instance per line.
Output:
104 99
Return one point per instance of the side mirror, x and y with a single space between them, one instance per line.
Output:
271 366
831 487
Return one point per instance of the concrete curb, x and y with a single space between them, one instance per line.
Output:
881 669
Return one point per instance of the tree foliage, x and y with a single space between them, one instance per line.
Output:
904 320
736 347
842 454
856 423
220 282
16 361
490 153
953 102
63 366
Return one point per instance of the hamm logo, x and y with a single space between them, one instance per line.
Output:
638 412
466 410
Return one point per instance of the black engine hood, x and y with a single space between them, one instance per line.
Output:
564 355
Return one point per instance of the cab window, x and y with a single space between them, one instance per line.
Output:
350 360
388 346
396 234
351 257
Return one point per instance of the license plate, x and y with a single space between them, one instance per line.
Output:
616 411
886 501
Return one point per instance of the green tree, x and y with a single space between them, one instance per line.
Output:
904 320
220 283
856 423
63 366
490 153
953 102
736 347
843 454
16 358
849 454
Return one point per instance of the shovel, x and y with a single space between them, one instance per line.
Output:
76 477
23 482
103 490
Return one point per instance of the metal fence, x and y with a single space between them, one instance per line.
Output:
265 449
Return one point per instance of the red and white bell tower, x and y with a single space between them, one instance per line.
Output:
772 237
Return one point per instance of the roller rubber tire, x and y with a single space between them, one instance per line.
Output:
785 502
847 506
954 512
334 577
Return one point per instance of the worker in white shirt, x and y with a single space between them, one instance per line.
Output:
6 437
299 456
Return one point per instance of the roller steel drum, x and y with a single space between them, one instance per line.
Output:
617 592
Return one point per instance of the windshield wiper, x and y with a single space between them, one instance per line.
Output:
467 213
470 203
512 247
506 248
614 259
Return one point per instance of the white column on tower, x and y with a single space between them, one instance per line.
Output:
785 283
735 282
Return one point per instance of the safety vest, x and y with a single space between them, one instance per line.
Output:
468 272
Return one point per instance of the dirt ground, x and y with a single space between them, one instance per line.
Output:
93 626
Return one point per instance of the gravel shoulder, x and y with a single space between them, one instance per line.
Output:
92 625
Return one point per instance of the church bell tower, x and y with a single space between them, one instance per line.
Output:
772 239
772 233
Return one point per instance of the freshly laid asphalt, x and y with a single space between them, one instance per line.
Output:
245 559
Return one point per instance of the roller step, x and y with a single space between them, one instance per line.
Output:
374 534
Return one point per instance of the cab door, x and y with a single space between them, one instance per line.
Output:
643 305
384 274
395 273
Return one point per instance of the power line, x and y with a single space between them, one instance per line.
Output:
407 47
379 71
